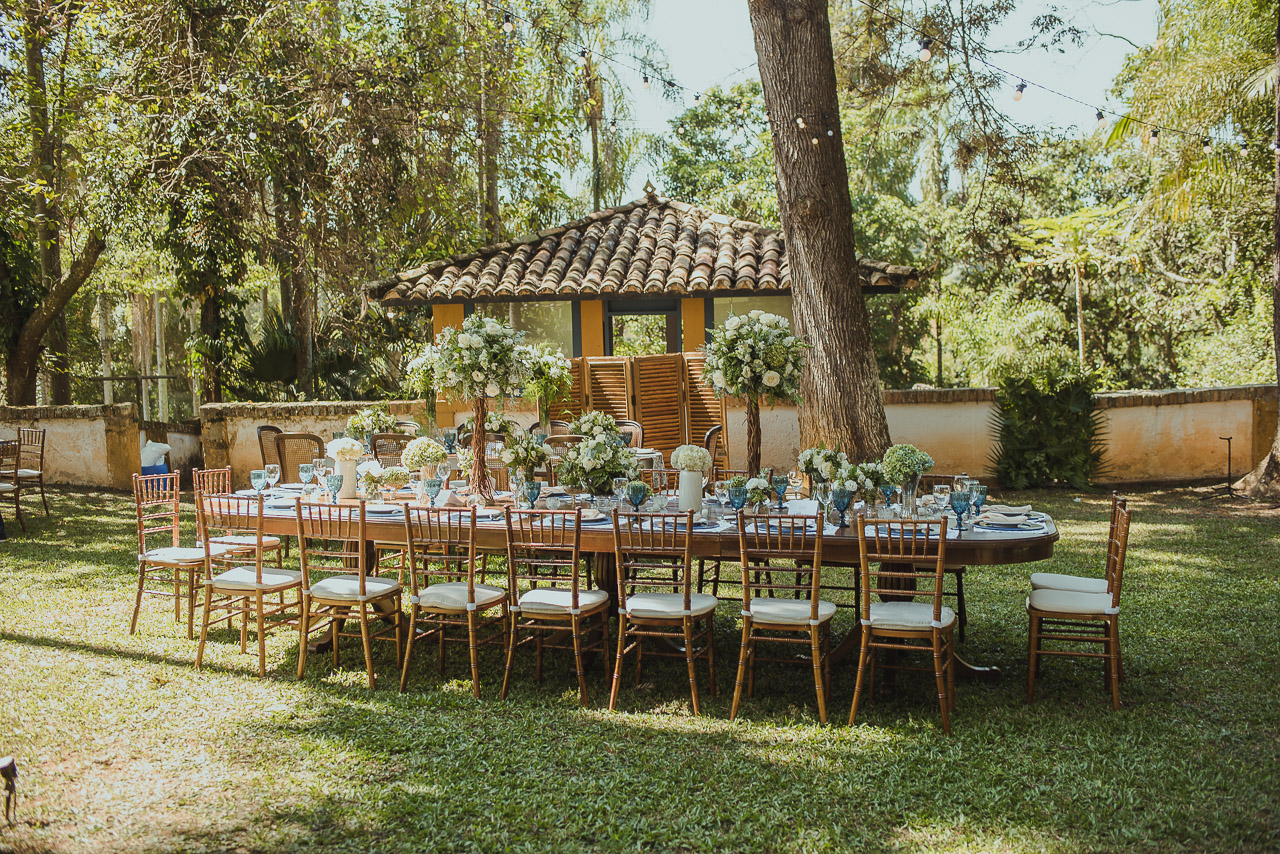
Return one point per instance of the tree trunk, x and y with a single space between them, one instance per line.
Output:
300 311
753 436
59 361
1075 270
481 484
104 347
1264 481
841 382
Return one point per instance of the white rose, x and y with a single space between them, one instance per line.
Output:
491 389
771 379
492 327
508 456
733 322
718 379
767 317
477 376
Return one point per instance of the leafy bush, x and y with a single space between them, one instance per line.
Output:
1049 431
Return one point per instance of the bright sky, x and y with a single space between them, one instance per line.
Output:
709 42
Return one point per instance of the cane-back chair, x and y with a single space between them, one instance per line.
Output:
633 430
557 428
331 544
781 560
388 447
294 449
544 557
31 460
656 599
1083 583
267 444
713 441
236 583
160 554
10 484
218 482
1072 617
911 556
445 594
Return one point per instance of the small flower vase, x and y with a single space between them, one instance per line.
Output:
347 468
690 492
909 487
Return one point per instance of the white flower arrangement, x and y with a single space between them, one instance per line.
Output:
345 449
395 477
691 458
595 462
822 463
373 419
526 453
902 462
466 457
423 451
872 473
420 372
755 354
370 474
853 478
759 489
480 360
496 426
594 423
550 373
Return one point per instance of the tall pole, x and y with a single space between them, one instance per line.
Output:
104 347
162 385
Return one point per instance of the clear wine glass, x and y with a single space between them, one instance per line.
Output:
273 473
620 488
258 480
977 498
722 492
822 494
306 471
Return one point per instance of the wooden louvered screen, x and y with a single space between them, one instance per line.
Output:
705 410
608 384
659 401
571 405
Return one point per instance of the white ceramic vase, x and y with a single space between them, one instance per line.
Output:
347 468
690 492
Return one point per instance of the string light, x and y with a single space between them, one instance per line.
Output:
800 122
1208 145
697 100
1018 90
222 88
253 136
507 24
346 102
613 125
680 129
925 54
1155 134
814 140
645 80
1244 147
375 139
582 58
1102 120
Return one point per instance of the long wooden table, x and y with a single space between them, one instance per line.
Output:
971 548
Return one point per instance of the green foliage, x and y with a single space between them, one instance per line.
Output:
1048 431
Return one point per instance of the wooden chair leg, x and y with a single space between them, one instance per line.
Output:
475 653
864 650
1033 647
941 678
408 649
440 647
514 617
1113 651
617 664
204 627
743 653
816 650
137 605
576 622
689 663
364 640
191 603
711 653
304 621
262 636
962 614
43 499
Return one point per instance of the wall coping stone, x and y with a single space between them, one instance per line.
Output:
212 411
93 410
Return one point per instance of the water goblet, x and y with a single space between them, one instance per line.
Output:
620 488
273 473
532 489
443 469
977 498
258 480
450 437
959 504
722 492
306 471
637 492
431 487
780 484
553 502
887 491
737 497
333 483
841 498
821 493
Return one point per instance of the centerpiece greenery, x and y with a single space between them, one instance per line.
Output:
594 462
755 356
903 464
422 452
550 376
594 423
370 420
822 463
525 453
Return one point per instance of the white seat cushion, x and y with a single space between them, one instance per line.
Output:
1074 583
346 588
791 612
245 578
670 605
1070 602
558 600
182 555
908 616
452 596
28 472
7 487
268 541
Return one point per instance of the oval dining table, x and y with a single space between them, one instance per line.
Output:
839 548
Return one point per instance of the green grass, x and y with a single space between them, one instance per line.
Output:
124 746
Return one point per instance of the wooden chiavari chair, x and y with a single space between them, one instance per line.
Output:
557 444
31 460
927 482
10 485
781 587
445 593
911 554
294 449
1066 616
1083 583
656 598
218 482
557 428
544 553
156 502
713 442
235 586
331 542
388 447
267 444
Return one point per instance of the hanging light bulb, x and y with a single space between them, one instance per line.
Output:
925 54
800 122
346 102
1102 120
582 58
1244 148
1155 134
644 78
1208 145
1018 90
376 140
507 24
814 140
444 117
613 125
479 140
830 132
697 99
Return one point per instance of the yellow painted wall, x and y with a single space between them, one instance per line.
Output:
442 316
693 323
592 313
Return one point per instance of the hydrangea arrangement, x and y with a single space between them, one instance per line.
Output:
594 424
595 462
691 458
394 477
423 451
344 449
526 453
479 360
822 463
550 376
370 475
903 462
374 419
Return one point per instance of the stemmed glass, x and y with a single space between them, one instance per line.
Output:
258 480
450 438
273 474
431 488
620 489
959 503
941 493
821 493
443 469
306 472
636 494
887 489
722 492
333 483
532 489
977 497
780 484
737 497
841 498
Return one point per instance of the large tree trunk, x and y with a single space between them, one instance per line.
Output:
1264 481
841 383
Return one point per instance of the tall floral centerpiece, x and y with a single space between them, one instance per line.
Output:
550 376
474 363
373 419
526 454
693 461
754 355
904 464
420 378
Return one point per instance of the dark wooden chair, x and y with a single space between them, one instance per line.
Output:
294 449
31 460
388 447
267 444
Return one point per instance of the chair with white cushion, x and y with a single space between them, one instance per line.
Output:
236 582
910 617
441 550
218 482
31 460
656 598
156 501
1075 617
10 485
781 601
331 544
1082 583
544 555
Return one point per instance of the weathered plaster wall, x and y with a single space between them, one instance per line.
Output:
84 445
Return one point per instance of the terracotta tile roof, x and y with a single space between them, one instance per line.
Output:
651 247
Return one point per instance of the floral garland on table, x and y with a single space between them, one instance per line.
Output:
482 359
550 376
344 449
594 423
526 453
423 451
759 489
903 462
822 463
373 419
595 462
691 458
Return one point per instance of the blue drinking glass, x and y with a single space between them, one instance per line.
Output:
887 489
333 483
431 486
637 492
780 484
450 440
959 503
258 480
841 499
532 489
737 497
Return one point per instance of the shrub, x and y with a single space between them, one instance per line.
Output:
1048 431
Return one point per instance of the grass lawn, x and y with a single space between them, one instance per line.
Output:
124 747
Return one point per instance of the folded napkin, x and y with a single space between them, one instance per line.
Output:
1008 510
997 518
803 507
451 498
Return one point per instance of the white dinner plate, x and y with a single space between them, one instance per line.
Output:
382 509
1020 526
488 512
279 504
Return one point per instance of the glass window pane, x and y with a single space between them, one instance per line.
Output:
724 306
541 322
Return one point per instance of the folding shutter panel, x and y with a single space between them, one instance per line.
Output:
705 409
570 405
609 385
659 385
